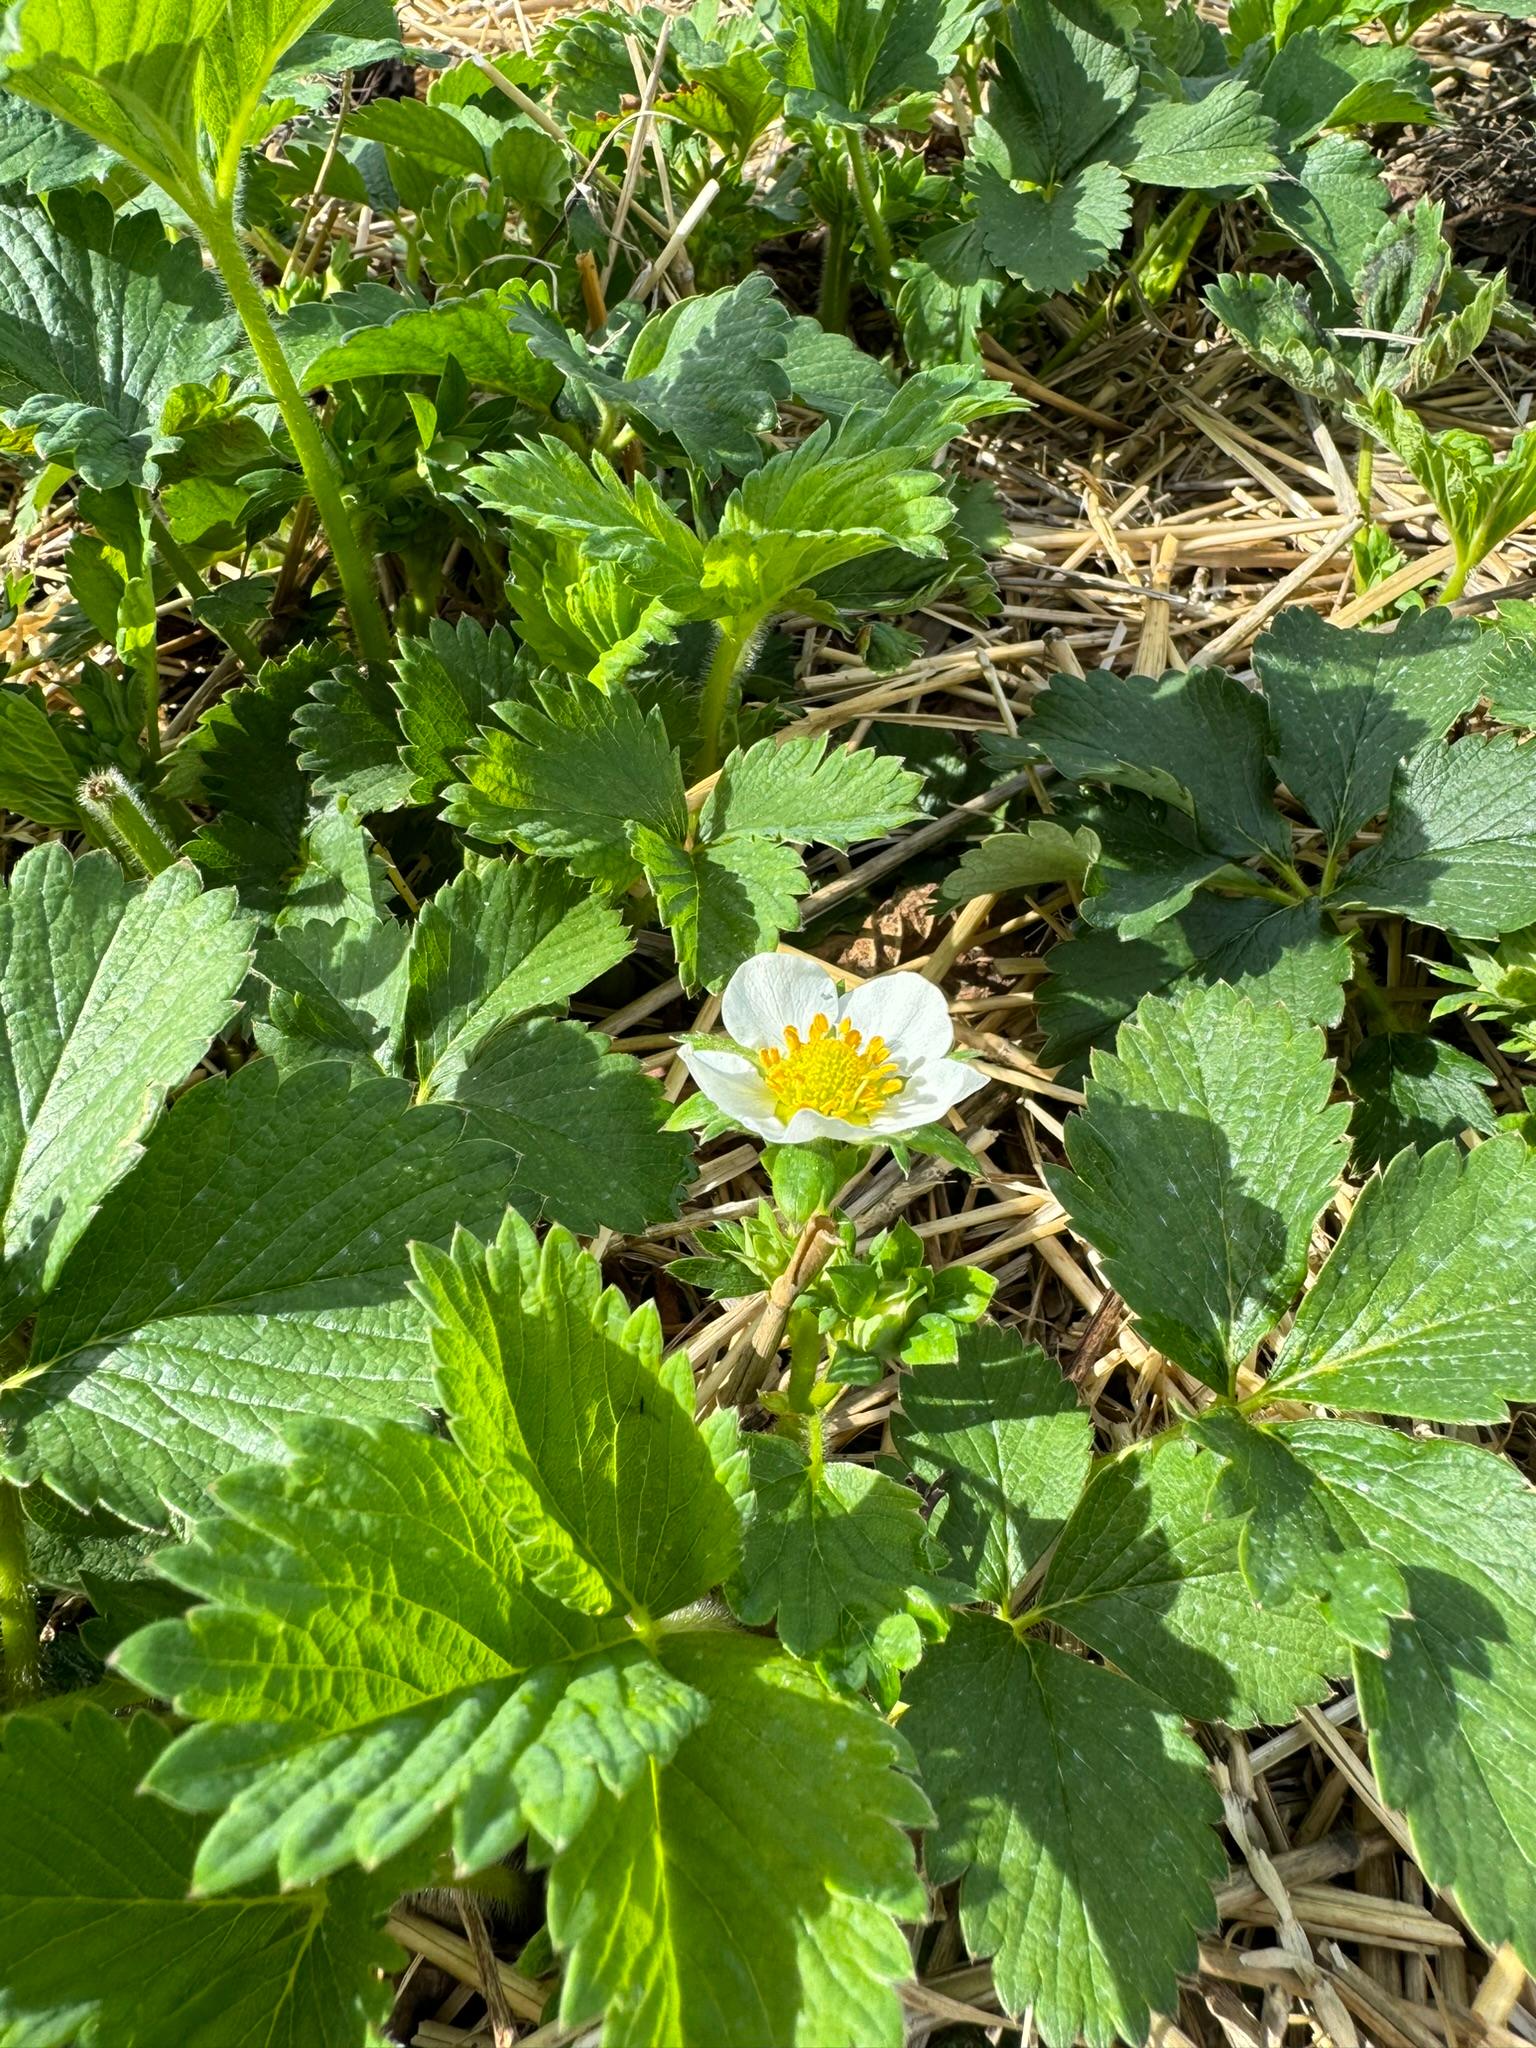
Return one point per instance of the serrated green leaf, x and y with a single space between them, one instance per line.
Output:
1459 847
723 902
571 778
1149 1576
1323 77
97 1877
447 685
1005 1433
39 778
1198 1167
1059 91
1222 140
250 1269
1348 705
477 334
1334 204
1425 1306
109 995
796 790
1086 1886
348 750
786 1802
1196 740
1411 1089
1043 852
1274 320
842 60
563 1395
840 1554
371 1658
1150 863
1051 240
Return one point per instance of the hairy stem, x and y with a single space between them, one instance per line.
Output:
732 649
18 1611
354 570
875 231
176 559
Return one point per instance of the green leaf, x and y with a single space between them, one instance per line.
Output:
1196 740
39 778
100 319
841 61
1198 1167
1042 853
371 1658
250 1269
722 902
1005 1433
1274 320
1459 847
571 778
554 1387
335 991
1411 1089
349 751
1051 240
109 995
785 1803
1334 204
477 334
708 373
1150 863
1348 705
796 790
1086 1886
1058 92
447 685
841 1555
1148 1575
1483 498
99 1877
1425 1306
1223 140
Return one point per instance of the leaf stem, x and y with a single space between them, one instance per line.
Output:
735 643
18 1610
354 570
180 564
832 300
1456 582
876 232
1365 471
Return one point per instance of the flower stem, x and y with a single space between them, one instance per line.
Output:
354 570
875 230
18 1610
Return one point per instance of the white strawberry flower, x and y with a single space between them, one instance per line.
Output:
814 1064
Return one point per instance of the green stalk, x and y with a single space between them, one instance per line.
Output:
1183 222
123 819
18 1611
864 185
354 570
735 643
832 300
1365 472
1456 582
235 638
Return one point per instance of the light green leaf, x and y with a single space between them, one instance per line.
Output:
250 1269
564 1396
109 995
1274 320
39 777
1459 847
447 685
841 1556
1411 1089
98 1877
1198 1167
1086 1883
477 333
571 778
1042 853
786 1804
722 902
841 61
1348 705
1223 140
1482 497
1005 1433
1051 240
434 135
348 750
796 790
371 1658
1149 1576
1428 1304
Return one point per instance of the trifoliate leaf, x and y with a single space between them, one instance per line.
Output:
841 1555
1426 1305
1042 853
372 1657
1449 1707
708 373
1005 1434
476 334
98 1877
447 685
1150 863
1196 740
797 790
1051 240
348 750
1149 1576
786 1801
564 1396
1059 90
1274 320
1459 847
1348 705
1297 1540
109 995
1222 140
1270 953
570 779
1079 1818
100 318
1198 1167
39 777
250 1269
842 60
1414 1090
722 902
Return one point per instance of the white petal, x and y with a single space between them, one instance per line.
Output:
936 1087
732 1083
772 990
808 1124
910 1014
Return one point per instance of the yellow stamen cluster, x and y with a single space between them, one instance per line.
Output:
831 1071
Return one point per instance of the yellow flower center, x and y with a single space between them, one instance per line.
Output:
831 1071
